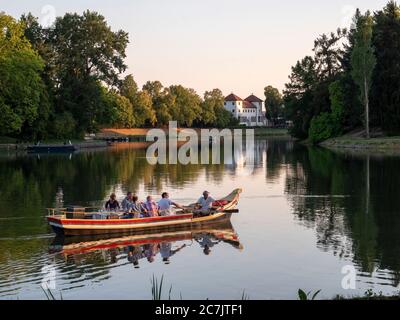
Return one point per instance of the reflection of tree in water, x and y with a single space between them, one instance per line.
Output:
351 217
29 184
78 261
277 151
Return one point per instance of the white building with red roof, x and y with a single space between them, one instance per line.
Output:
249 112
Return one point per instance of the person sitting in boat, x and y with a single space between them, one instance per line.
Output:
151 207
137 209
112 204
165 205
127 202
204 204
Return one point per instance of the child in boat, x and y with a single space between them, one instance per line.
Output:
165 205
112 204
151 207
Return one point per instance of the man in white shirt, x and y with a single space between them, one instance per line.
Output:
204 204
165 205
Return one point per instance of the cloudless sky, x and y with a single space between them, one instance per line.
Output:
238 46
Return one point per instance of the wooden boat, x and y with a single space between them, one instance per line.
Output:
68 148
82 245
80 222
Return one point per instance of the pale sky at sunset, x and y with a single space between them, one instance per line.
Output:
238 46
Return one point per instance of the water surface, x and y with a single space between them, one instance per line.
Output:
305 213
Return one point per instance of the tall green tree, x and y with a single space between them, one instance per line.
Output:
162 101
119 111
143 110
328 51
141 101
273 103
214 113
385 91
363 62
186 108
22 91
307 94
12 36
298 96
212 100
88 53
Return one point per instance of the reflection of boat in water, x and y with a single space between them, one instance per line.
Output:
82 245
82 223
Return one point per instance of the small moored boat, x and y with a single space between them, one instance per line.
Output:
80 222
68 148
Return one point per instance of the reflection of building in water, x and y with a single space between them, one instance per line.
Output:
246 156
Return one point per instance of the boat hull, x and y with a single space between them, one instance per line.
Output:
81 227
78 227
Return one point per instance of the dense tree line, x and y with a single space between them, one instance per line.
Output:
351 81
65 80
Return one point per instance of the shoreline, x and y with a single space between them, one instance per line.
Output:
362 144
78 144
101 138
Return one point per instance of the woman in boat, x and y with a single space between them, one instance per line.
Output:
151 207
112 204
137 208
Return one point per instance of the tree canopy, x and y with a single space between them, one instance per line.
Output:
65 80
351 70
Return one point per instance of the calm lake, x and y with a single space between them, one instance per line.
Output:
305 213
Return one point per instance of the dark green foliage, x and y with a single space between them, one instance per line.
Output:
213 111
346 60
322 127
385 92
363 62
64 125
273 103
22 92
307 296
65 81
307 94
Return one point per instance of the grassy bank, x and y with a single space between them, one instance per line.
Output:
271 132
349 142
